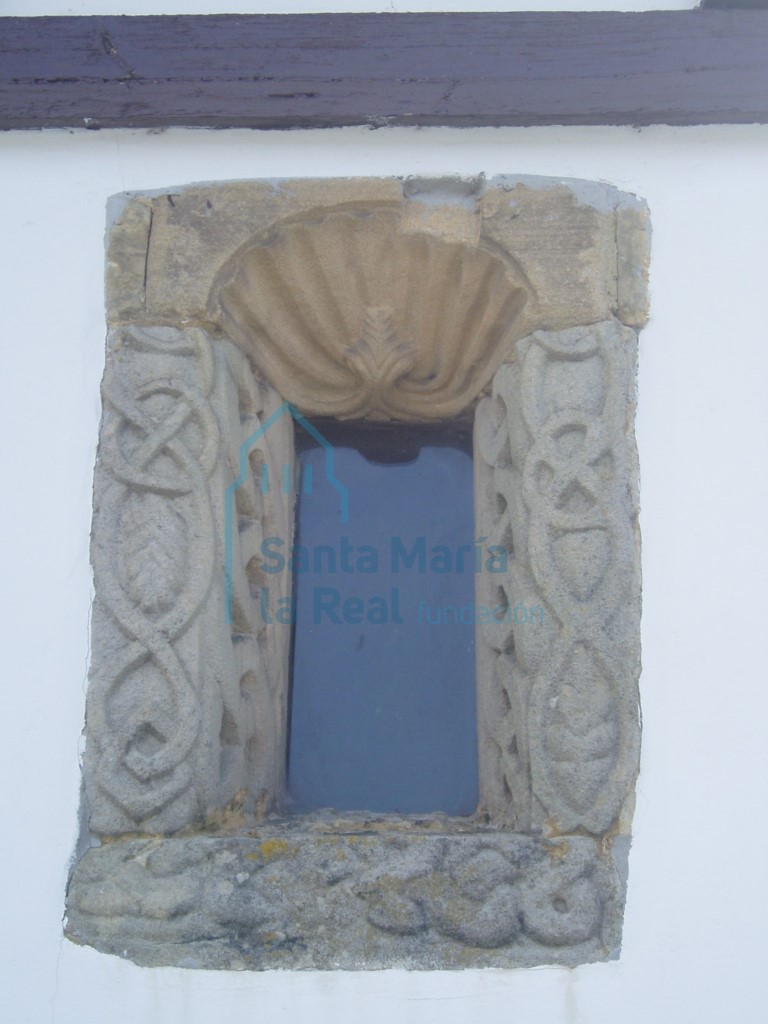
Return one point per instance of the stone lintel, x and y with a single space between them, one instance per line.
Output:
581 246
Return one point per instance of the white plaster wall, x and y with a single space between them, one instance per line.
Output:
694 943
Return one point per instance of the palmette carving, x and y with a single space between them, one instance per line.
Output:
560 708
379 360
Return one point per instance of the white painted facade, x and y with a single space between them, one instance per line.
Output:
694 940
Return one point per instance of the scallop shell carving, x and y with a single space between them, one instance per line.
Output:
349 316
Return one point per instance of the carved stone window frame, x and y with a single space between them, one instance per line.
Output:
516 301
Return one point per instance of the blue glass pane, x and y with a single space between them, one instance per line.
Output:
383 694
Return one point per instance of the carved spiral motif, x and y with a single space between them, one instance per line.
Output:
153 560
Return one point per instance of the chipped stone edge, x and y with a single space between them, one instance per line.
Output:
633 250
127 245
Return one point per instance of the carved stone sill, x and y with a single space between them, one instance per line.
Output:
513 303
285 896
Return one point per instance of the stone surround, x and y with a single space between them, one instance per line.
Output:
514 302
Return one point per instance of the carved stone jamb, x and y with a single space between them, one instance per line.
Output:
556 474
185 713
529 288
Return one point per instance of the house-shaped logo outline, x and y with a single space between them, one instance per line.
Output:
229 494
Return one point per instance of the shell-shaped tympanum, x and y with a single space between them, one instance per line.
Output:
347 315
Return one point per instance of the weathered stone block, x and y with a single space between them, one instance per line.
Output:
290 897
127 249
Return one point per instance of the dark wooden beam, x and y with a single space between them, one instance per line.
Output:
752 4
304 71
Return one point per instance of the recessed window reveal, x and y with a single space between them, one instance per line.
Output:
383 712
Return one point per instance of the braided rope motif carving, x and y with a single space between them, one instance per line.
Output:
561 712
153 562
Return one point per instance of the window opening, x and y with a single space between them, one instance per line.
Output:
383 671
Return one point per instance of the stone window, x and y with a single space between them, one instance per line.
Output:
234 311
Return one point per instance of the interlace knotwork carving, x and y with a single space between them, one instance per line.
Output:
153 561
562 716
